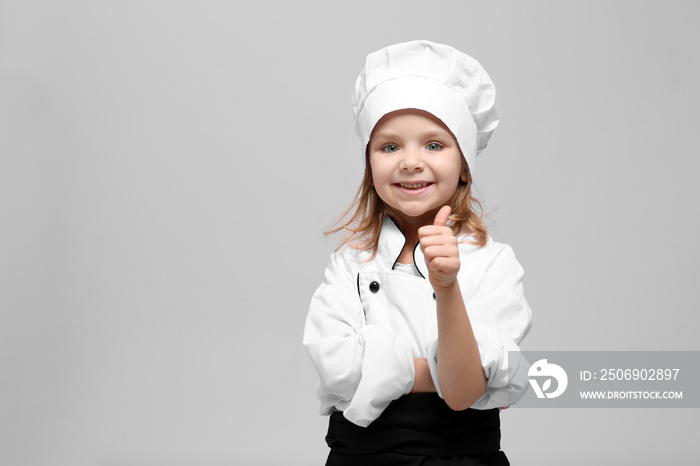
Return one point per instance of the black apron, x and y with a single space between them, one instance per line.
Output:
418 430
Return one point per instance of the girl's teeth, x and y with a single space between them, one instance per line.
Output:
414 185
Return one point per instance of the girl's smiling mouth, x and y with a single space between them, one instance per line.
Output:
416 187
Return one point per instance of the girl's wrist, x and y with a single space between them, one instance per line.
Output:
447 290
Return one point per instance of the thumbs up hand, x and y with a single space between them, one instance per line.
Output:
440 248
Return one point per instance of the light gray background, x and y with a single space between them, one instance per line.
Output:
167 168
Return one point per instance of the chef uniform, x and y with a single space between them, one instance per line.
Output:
371 315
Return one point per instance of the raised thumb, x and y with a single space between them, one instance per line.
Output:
441 217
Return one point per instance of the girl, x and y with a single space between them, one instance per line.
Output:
411 329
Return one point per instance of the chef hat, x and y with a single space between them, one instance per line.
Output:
432 77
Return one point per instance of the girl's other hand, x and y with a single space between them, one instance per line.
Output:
424 381
440 248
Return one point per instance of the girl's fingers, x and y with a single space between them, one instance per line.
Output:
448 265
440 250
440 247
428 241
432 230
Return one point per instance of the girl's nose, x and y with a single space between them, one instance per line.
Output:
411 160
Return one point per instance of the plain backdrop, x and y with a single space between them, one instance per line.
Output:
167 169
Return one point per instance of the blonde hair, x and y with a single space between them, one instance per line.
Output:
367 212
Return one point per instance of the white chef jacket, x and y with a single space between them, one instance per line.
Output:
368 321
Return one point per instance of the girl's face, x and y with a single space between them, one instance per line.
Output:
416 164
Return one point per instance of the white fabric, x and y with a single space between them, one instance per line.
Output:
432 77
409 269
363 343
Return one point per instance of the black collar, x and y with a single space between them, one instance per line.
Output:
391 243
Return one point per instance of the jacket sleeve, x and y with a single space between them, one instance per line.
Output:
500 319
362 368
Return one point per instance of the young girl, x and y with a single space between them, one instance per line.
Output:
411 329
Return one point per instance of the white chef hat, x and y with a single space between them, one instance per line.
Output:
432 77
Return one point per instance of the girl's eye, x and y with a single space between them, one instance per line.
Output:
389 148
434 146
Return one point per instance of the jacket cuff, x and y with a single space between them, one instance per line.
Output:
506 378
388 372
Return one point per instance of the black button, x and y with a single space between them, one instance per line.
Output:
374 287
434 295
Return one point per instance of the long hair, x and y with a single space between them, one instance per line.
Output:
367 212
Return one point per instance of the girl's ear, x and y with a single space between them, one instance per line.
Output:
464 176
